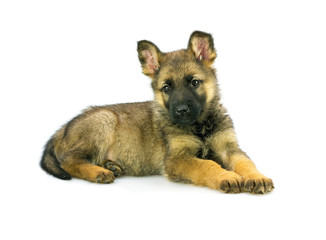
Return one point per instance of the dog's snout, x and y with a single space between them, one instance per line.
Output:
182 109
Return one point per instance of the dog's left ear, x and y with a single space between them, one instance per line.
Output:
149 56
201 44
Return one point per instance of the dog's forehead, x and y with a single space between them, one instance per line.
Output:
179 57
177 65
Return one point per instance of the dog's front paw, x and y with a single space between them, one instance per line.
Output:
257 183
230 182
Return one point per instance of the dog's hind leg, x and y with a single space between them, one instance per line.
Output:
80 168
113 167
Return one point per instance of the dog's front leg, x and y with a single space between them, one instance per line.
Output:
254 181
225 145
203 173
182 165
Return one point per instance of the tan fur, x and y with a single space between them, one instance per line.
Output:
81 169
139 139
254 181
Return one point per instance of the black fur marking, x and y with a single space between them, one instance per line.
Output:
185 96
206 128
189 78
169 82
50 164
200 153
210 155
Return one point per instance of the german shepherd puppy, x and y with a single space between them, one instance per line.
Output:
184 134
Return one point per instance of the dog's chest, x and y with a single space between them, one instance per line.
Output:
206 128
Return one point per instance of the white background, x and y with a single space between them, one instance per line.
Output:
58 57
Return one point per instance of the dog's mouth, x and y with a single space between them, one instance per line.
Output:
185 119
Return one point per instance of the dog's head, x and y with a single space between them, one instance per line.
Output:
184 81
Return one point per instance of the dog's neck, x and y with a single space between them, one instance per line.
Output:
214 119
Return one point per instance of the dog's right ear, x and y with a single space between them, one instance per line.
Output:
149 57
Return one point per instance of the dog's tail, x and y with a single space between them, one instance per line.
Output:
50 164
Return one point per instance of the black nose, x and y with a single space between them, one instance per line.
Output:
182 109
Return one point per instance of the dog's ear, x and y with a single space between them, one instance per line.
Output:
201 44
149 56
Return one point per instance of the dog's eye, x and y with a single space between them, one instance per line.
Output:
195 83
166 89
